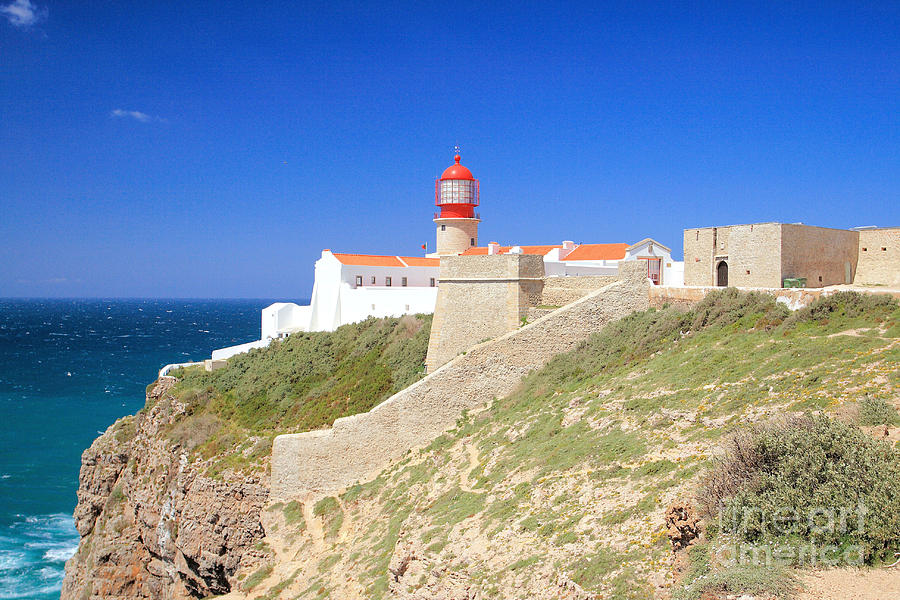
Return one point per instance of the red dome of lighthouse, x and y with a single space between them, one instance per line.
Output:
457 171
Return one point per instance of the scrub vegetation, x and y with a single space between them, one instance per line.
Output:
299 383
565 482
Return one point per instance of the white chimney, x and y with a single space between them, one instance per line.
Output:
493 248
567 247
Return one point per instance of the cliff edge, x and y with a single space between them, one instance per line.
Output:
152 524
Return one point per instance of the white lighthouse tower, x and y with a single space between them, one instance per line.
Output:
457 195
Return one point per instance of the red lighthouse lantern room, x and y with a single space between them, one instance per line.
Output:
456 192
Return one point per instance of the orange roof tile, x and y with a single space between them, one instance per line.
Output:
368 260
376 260
598 252
419 261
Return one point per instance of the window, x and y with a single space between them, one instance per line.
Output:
387 281
358 280
820 279
884 249
748 271
373 307
431 282
403 281
471 241
407 308
443 228
373 280
865 249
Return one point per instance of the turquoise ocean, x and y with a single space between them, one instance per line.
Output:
68 369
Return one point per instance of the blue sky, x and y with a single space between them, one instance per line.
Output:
213 149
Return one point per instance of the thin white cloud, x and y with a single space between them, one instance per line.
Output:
23 13
134 114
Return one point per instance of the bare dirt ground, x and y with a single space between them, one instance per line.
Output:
851 584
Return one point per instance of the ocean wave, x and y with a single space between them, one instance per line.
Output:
61 553
32 552
19 587
11 560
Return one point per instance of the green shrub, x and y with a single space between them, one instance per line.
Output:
293 513
809 480
877 411
299 383
843 308
734 579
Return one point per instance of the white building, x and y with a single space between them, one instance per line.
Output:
352 287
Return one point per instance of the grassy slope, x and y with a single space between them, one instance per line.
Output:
566 480
303 382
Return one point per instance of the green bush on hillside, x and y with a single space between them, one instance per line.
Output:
877 411
299 383
809 480
845 308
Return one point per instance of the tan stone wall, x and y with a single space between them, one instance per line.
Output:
457 237
764 254
755 248
559 291
479 298
752 253
698 256
877 266
818 252
357 448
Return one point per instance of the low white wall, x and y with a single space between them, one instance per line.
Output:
226 353
165 370
673 276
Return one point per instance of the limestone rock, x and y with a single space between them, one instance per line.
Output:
152 524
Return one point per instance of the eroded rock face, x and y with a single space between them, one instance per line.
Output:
152 524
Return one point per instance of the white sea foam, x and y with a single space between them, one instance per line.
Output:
61 553
32 551
49 573
10 560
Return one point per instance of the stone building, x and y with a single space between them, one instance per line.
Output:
765 254
879 256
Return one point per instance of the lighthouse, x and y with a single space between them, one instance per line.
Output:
456 193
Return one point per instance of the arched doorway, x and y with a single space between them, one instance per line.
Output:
722 274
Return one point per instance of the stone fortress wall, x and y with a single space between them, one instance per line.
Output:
357 448
479 298
764 254
879 257
823 256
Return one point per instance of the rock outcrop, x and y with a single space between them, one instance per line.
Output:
152 523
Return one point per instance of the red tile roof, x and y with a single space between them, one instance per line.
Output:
368 260
419 261
375 260
598 252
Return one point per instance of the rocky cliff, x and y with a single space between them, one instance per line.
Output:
152 524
